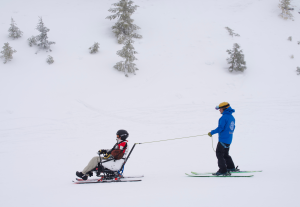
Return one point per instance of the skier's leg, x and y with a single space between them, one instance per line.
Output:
92 164
220 151
228 159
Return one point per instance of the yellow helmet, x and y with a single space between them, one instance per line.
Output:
223 105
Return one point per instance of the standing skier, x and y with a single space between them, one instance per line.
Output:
225 130
112 156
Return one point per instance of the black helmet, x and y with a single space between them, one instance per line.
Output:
123 134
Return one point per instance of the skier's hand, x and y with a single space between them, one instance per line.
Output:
107 156
209 134
101 152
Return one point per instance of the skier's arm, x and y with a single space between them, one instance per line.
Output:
114 147
108 151
220 128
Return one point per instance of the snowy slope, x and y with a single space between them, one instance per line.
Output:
54 118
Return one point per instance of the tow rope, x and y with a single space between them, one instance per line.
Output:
212 141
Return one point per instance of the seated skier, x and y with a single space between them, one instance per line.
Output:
111 159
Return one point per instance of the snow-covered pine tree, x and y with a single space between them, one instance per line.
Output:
284 5
127 53
14 31
7 52
94 48
290 38
50 60
124 26
43 43
32 41
298 70
236 59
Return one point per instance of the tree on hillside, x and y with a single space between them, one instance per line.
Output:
284 5
236 59
41 40
94 48
14 31
50 60
298 70
127 52
7 52
124 26
31 41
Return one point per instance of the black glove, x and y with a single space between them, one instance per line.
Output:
101 152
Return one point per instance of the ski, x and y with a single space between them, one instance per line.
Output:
196 173
124 177
103 181
227 176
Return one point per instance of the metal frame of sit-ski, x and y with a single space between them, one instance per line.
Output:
109 174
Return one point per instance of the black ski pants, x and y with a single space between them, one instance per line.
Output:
224 160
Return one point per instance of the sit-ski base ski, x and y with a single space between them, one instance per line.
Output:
100 180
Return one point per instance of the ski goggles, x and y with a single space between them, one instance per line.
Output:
217 107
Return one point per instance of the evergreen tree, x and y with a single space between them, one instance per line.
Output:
124 26
14 31
7 52
284 5
298 70
94 48
42 38
127 52
236 59
32 41
50 60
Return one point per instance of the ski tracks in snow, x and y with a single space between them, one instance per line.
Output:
83 119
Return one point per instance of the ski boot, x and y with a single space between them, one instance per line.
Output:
81 175
222 174
234 169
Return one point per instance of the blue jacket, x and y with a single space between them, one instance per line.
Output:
226 126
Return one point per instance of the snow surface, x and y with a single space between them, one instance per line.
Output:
54 118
